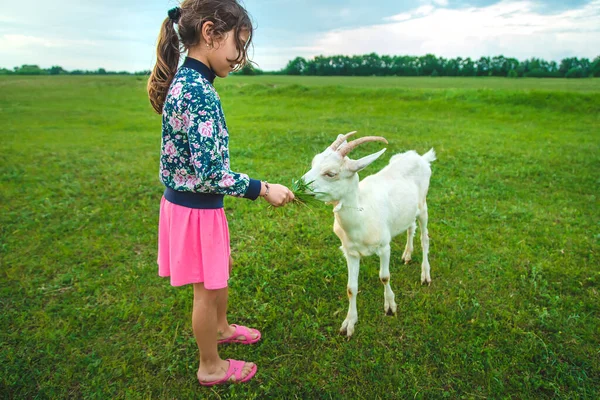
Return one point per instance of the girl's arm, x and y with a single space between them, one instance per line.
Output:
210 156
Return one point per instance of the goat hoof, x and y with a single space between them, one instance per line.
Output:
390 312
344 332
347 329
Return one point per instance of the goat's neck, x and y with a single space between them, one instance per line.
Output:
348 209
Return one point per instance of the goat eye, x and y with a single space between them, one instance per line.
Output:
330 174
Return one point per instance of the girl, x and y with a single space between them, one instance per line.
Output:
193 243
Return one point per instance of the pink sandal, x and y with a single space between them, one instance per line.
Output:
241 330
235 369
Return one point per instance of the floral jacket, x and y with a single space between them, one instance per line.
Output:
195 142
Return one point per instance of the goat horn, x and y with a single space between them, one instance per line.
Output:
338 142
353 144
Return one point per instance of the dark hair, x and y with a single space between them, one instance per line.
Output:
226 15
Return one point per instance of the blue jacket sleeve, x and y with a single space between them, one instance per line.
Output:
209 151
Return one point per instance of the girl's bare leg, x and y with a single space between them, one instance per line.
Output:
204 325
224 330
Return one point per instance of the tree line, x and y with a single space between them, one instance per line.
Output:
375 65
430 65
56 70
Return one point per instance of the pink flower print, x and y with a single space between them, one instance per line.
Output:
175 123
202 113
226 181
191 182
187 96
165 172
185 118
179 180
170 148
205 128
176 89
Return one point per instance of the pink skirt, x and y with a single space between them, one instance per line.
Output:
193 245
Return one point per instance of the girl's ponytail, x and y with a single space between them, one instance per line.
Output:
226 15
168 53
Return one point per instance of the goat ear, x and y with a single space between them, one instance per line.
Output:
357 165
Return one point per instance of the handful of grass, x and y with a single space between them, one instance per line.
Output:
302 192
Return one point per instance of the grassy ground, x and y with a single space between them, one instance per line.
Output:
515 240
569 85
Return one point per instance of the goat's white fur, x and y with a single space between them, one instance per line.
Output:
369 213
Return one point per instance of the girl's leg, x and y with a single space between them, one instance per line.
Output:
204 324
224 330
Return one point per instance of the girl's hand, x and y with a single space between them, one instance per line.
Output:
278 195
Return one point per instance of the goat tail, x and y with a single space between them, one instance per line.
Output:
429 156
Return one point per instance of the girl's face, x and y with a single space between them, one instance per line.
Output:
224 56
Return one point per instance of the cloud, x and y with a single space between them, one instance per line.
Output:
72 53
24 42
424 10
6 18
399 17
513 28
102 34
116 35
276 58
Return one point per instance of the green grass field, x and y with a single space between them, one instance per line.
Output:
514 219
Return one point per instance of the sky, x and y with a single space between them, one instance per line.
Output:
120 35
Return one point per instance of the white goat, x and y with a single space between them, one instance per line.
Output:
369 213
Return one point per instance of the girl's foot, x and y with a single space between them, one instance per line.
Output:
217 373
238 334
